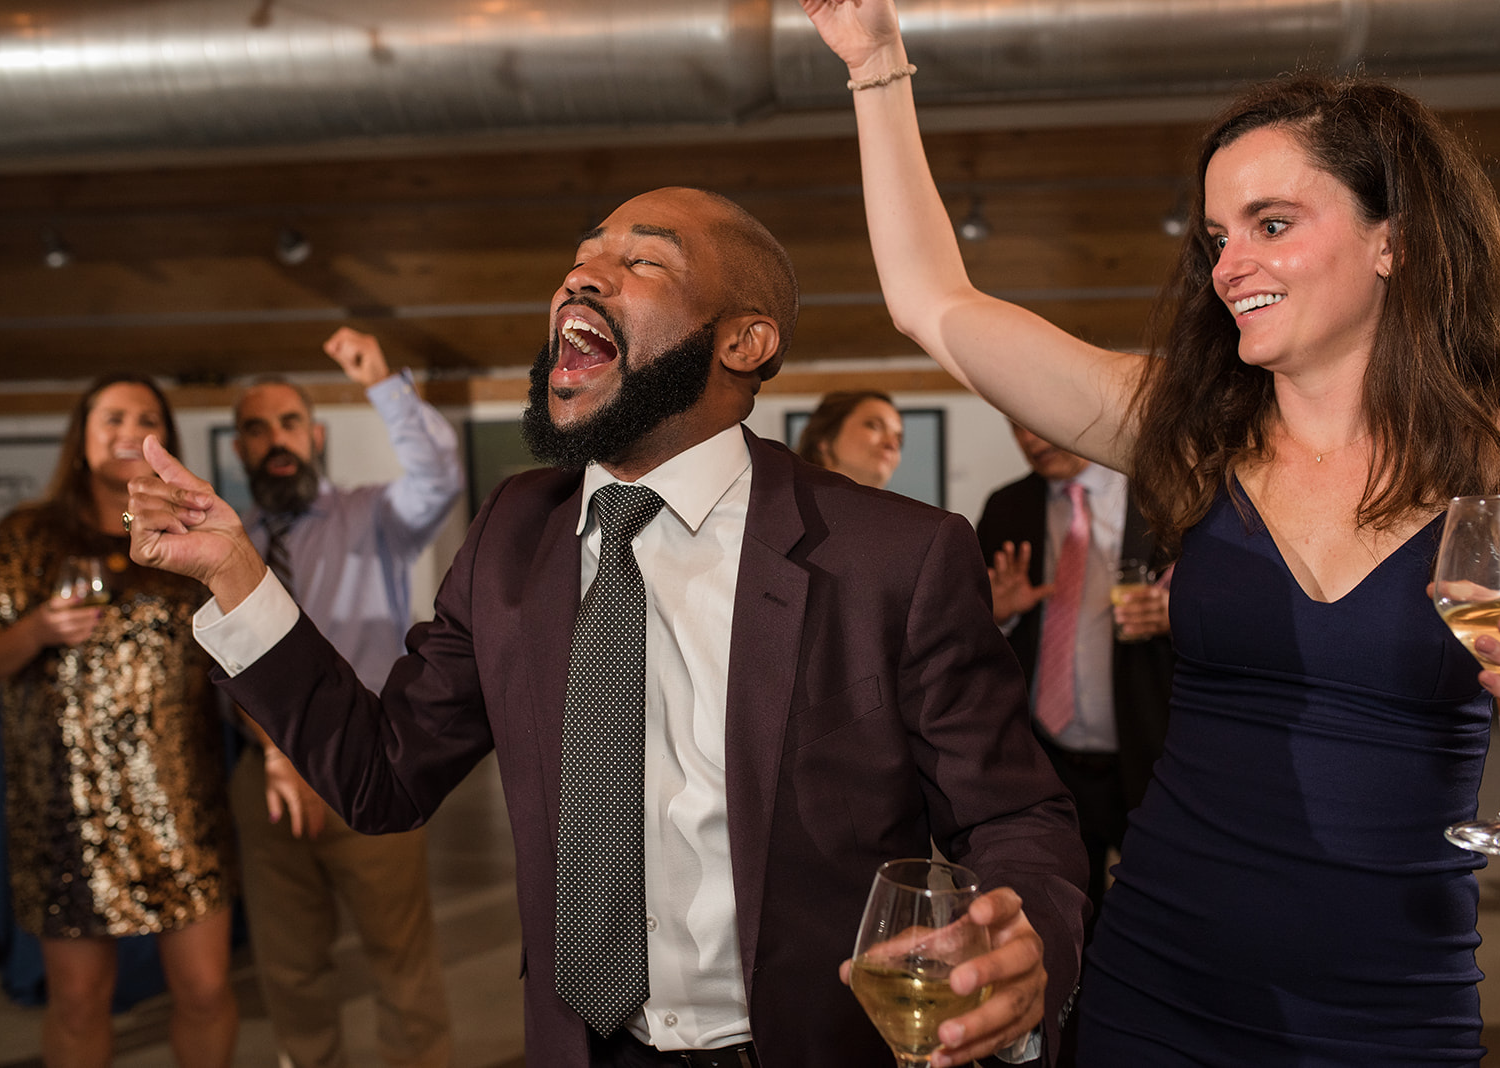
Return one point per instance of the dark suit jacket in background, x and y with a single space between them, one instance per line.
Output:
872 707
1142 684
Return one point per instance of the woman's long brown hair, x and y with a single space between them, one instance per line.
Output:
1432 389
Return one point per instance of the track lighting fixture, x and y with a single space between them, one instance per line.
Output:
974 227
292 247
1175 222
55 251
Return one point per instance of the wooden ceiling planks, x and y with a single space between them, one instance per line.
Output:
451 259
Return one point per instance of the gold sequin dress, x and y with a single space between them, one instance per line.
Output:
114 758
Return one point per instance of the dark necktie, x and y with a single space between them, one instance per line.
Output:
277 558
601 883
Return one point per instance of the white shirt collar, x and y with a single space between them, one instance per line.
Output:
1094 478
691 482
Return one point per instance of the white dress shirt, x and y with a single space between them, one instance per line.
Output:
689 558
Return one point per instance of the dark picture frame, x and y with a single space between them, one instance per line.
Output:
229 478
26 465
495 452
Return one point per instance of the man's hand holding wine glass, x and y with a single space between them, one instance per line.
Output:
947 974
1017 979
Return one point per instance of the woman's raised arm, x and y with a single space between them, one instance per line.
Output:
1071 393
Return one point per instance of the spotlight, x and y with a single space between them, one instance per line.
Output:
292 247
55 251
1175 222
975 227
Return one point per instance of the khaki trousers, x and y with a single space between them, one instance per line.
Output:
292 889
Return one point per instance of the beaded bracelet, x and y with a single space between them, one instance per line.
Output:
905 71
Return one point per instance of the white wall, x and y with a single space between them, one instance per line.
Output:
980 453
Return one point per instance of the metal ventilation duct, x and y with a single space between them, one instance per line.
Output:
123 76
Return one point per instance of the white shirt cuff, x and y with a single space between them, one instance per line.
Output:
240 637
1023 1049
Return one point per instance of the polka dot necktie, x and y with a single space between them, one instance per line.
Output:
601 883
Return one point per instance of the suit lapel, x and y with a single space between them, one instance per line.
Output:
1034 524
549 607
765 641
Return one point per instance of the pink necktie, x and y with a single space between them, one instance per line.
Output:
1054 675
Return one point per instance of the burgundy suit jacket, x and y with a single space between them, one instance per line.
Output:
872 708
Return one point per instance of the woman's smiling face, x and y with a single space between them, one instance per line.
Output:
1299 268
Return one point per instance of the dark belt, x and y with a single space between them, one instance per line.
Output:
739 1056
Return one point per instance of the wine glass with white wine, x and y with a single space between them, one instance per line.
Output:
1466 592
80 580
916 929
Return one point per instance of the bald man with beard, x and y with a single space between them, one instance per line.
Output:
824 688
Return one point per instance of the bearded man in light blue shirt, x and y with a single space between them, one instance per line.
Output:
346 555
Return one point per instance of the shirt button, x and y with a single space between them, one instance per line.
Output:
650 923
670 1019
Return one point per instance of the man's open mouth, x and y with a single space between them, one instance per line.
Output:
582 345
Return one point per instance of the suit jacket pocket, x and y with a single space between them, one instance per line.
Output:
828 715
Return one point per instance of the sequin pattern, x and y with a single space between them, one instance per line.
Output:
114 759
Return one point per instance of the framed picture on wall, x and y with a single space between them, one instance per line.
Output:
26 465
229 477
923 474
496 452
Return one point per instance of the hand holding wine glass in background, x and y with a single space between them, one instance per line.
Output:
78 590
80 581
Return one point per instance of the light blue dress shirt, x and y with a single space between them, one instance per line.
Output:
351 552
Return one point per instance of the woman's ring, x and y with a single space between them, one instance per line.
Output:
126 518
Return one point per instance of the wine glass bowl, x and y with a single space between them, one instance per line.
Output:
1466 594
915 930
80 580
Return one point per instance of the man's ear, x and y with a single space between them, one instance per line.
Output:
319 436
745 342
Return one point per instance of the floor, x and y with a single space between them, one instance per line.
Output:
474 897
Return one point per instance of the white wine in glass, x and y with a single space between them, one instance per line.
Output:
80 579
915 930
1466 593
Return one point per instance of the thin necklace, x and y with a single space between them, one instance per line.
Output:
1317 455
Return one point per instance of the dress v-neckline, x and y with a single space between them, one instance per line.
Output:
1265 527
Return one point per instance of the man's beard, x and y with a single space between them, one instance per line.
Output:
283 494
647 397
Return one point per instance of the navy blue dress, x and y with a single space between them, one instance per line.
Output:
1286 896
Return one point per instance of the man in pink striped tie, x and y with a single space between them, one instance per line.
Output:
1099 702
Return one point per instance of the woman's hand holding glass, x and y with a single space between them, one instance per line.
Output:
1466 593
69 616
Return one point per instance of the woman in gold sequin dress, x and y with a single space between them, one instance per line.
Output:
119 820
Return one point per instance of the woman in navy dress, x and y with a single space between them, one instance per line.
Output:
1327 375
